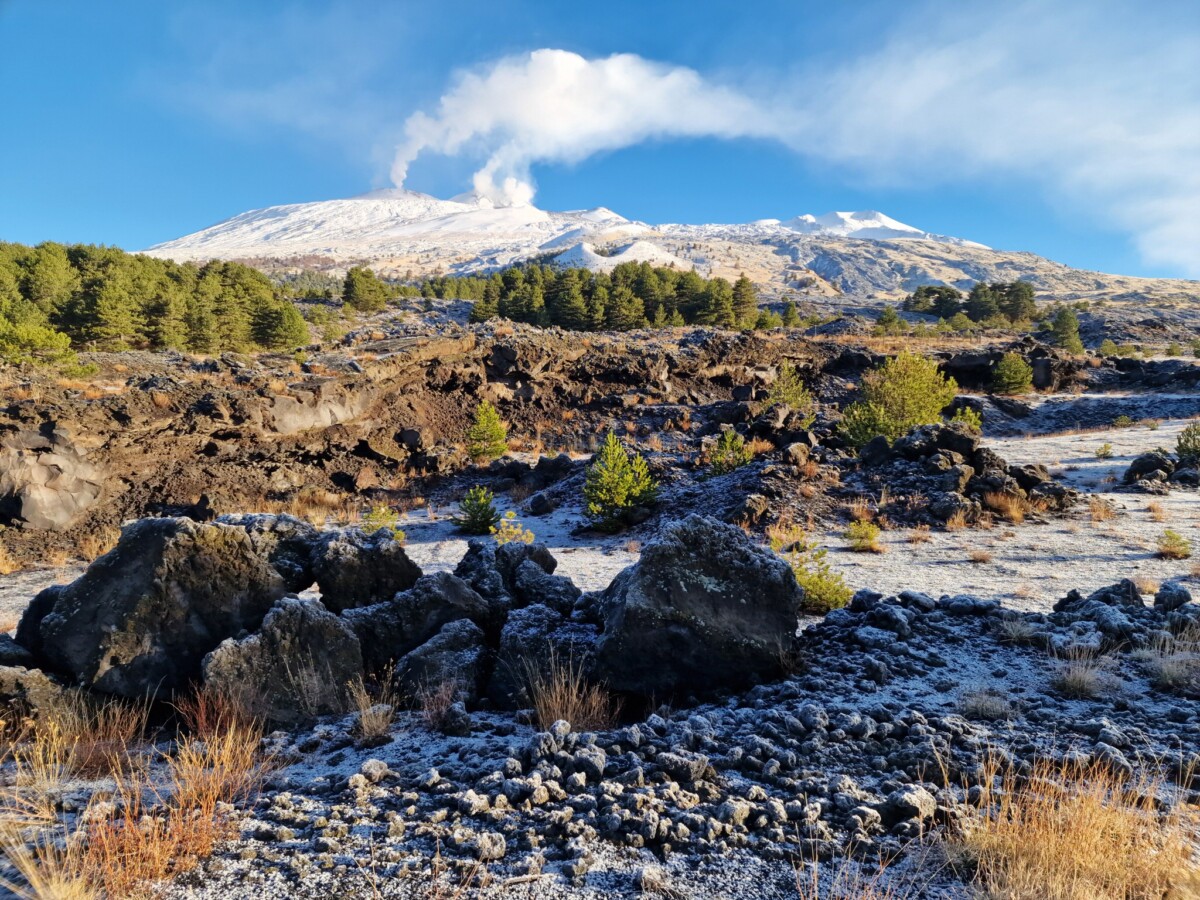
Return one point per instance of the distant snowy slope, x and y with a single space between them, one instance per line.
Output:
401 233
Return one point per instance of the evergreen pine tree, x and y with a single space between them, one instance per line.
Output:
791 318
487 438
1066 330
981 303
363 292
487 306
745 301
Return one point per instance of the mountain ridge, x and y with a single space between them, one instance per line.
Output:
860 254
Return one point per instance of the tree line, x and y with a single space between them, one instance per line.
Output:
55 298
632 295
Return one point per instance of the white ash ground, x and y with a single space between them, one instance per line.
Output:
1034 564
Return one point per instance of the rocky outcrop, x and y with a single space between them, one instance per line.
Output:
355 568
456 655
390 629
296 667
141 618
286 542
704 608
46 480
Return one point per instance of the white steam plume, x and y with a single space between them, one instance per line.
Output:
557 106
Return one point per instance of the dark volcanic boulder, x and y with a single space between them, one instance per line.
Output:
456 655
45 479
391 629
704 608
493 572
285 541
296 667
142 617
535 639
355 568
1148 465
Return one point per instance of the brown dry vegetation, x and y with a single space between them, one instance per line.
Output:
559 690
1066 832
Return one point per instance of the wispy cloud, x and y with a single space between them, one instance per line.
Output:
1095 104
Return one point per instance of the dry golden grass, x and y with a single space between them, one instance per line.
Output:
375 712
919 534
56 557
655 443
758 446
8 564
957 522
859 510
162 820
1145 585
96 543
1072 833
1173 663
434 702
76 736
811 469
1081 673
851 880
984 703
1010 506
559 690
1100 509
980 557
520 492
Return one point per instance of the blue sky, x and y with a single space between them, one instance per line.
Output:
1069 129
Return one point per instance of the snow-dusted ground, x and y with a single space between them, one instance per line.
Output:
590 561
1034 564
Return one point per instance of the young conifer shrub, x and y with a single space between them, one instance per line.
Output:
477 512
730 453
617 483
487 438
789 389
1188 445
1012 375
905 391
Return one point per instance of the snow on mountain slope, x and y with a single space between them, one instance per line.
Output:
404 233
584 254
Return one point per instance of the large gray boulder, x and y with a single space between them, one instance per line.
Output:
295 668
355 568
704 608
141 618
46 481
286 542
399 625
456 655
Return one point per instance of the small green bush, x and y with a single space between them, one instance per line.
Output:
509 530
381 518
1188 445
968 417
1012 375
477 512
905 391
1107 348
730 453
1122 422
617 483
1173 545
1104 451
824 589
1173 349
487 438
864 537
789 389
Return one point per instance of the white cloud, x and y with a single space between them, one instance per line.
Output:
557 106
1098 104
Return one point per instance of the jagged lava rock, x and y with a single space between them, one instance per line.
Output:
141 618
298 664
704 608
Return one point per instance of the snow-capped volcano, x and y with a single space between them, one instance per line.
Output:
403 233
395 223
